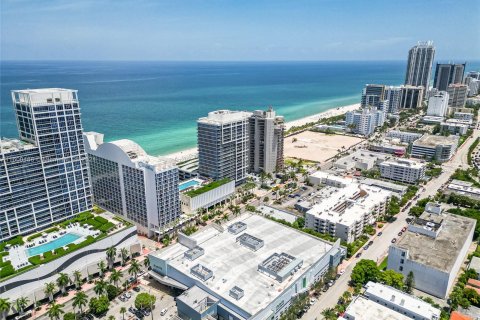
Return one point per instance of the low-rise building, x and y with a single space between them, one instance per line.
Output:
361 160
385 147
206 196
347 210
464 116
402 302
328 179
404 136
362 308
439 148
464 188
433 248
402 170
454 127
385 185
432 119
250 268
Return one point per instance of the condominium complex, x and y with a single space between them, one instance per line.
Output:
44 174
454 126
448 73
433 248
402 170
473 86
419 64
457 95
251 268
438 148
372 95
224 145
392 95
266 141
365 120
411 97
347 210
404 136
438 104
129 182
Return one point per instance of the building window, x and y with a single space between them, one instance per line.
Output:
403 254
402 261
401 268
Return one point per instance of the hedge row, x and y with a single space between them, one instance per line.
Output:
15 241
34 236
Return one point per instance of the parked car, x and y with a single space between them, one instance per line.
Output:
394 240
136 289
400 233
163 312
358 255
366 247
370 242
379 234
404 229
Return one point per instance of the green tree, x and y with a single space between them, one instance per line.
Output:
5 306
392 278
472 296
80 300
134 268
364 271
55 311
77 279
99 305
146 263
21 303
144 300
111 291
115 276
111 253
63 281
69 316
124 255
123 310
409 282
50 290
102 268
100 287
329 314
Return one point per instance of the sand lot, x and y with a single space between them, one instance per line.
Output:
317 146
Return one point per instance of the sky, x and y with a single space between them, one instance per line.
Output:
236 30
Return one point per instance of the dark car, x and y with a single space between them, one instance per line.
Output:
400 233
394 240
358 255
366 247
379 234
136 289
370 243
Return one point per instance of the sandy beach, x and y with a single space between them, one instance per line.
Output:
190 153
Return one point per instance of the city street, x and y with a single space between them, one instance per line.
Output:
379 248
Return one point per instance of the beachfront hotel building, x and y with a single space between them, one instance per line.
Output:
250 268
446 74
419 65
43 174
411 97
392 95
266 141
129 182
224 145
372 95
365 120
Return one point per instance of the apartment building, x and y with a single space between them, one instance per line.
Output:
438 104
411 97
365 120
457 95
402 170
448 73
439 148
419 64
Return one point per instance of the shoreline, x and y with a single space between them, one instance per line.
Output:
191 153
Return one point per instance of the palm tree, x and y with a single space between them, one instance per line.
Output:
21 304
110 317
5 306
115 276
77 279
102 268
111 253
146 263
50 290
100 287
329 313
125 285
80 300
55 311
134 268
123 310
62 281
124 254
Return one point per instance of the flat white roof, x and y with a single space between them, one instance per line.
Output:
406 163
363 309
220 117
235 265
366 198
13 145
402 299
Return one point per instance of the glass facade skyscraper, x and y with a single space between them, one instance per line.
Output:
44 174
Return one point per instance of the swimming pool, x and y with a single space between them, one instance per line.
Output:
188 184
52 245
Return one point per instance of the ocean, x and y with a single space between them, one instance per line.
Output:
156 104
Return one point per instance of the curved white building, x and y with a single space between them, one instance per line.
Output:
128 181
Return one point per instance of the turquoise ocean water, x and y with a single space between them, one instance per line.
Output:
156 104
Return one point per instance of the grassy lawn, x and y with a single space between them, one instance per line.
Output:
383 265
207 187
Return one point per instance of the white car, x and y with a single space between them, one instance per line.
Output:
341 272
163 312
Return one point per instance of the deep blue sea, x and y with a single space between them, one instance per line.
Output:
156 104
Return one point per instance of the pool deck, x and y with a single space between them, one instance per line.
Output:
19 255
190 183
